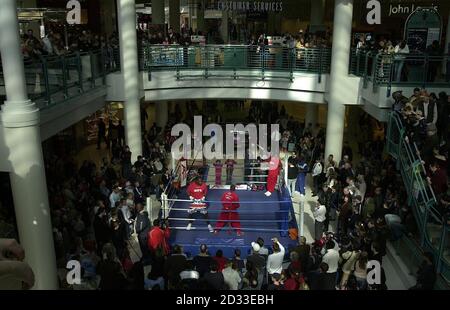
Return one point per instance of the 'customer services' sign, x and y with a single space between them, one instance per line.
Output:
251 6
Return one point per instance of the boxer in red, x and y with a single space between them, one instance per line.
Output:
230 202
272 177
197 193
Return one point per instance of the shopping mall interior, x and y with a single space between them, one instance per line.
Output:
352 193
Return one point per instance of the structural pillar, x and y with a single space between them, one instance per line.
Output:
129 65
317 12
340 57
158 13
445 66
161 113
311 114
174 15
200 15
224 27
21 123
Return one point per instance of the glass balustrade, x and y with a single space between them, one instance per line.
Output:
236 61
54 79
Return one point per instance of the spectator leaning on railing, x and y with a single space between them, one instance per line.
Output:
399 60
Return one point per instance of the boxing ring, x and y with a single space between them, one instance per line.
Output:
260 216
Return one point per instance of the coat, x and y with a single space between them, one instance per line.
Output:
158 238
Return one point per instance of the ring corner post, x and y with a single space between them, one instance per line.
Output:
149 209
164 206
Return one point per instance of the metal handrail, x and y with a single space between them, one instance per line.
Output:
384 65
256 60
52 79
411 168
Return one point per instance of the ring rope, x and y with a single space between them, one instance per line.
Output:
226 221
240 202
242 229
230 211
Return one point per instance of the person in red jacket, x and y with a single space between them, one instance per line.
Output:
230 204
158 239
272 177
197 191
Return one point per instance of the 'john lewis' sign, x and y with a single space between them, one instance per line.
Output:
393 9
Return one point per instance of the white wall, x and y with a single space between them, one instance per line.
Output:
64 115
115 86
164 86
350 91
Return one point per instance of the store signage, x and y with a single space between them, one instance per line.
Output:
400 9
74 15
394 9
251 6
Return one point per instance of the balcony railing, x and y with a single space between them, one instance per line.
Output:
54 79
433 230
417 70
236 61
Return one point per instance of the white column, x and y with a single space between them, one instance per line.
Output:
174 15
311 114
224 27
20 119
447 43
129 63
158 14
161 113
342 29
317 12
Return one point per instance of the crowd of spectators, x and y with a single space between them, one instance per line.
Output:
425 117
96 208
399 54
358 200
97 211
57 43
300 40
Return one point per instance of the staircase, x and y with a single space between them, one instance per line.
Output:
434 234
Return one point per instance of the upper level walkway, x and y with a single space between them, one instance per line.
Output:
235 72
70 87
